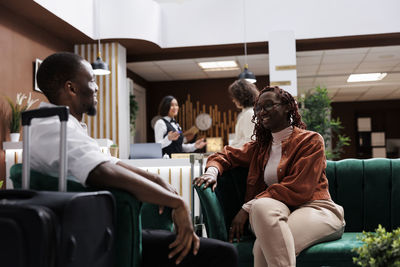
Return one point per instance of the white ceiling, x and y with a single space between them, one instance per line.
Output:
329 68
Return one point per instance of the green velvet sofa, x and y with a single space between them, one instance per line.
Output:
131 215
368 190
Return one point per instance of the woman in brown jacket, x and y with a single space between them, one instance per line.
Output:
287 198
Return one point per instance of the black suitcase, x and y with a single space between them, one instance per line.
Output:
40 228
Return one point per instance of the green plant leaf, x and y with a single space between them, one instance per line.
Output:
316 113
380 248
133 108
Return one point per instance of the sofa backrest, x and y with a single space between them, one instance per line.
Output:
368 190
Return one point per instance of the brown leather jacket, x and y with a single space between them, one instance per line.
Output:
301 170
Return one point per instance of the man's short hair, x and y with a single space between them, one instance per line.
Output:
55 71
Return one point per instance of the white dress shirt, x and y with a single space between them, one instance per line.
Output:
160 129
83 152
244 128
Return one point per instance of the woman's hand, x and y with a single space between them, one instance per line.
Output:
207 179
237 226
173 135
200 143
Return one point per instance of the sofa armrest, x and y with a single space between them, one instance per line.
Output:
128 245
213 213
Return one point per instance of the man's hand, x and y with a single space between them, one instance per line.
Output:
173 135
237 226
185 236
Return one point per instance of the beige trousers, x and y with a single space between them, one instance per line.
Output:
282 234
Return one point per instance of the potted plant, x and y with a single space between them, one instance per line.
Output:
133 109
379 249
16 109
114 150
316 113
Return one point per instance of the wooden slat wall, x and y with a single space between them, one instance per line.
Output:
105 123
223 123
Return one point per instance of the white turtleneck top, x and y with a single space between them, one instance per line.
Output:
275 155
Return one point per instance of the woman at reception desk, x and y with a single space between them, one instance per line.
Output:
167 131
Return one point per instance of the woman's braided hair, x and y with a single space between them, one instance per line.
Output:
263 136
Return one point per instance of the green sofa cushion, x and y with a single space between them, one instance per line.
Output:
332 253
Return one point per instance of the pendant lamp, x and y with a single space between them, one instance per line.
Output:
246 74
99 66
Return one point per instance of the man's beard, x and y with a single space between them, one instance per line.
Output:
92 111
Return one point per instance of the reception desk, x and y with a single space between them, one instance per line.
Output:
174 171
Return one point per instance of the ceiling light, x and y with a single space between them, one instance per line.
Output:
99 66
366 77
219 65
247 75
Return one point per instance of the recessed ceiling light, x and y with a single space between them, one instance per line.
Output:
219 65
366 77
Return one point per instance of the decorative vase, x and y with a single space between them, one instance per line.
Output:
14 137
114 151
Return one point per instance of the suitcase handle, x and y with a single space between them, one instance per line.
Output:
62 112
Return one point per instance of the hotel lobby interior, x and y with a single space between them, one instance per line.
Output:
155 48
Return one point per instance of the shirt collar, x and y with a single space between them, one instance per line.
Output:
168 118
70 117
282 135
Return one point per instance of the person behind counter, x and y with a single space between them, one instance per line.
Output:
167 131
243 96
287 199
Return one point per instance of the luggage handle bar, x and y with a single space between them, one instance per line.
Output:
62 112
193 158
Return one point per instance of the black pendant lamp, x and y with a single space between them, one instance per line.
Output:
99 66
246 74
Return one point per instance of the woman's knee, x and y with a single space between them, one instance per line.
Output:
268 210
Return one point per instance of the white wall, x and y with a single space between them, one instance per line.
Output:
182 23
123 105
138 19
80 14
216 22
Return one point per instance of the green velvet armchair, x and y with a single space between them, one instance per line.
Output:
131 215
368 190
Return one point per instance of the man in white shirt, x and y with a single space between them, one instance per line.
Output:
67 79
